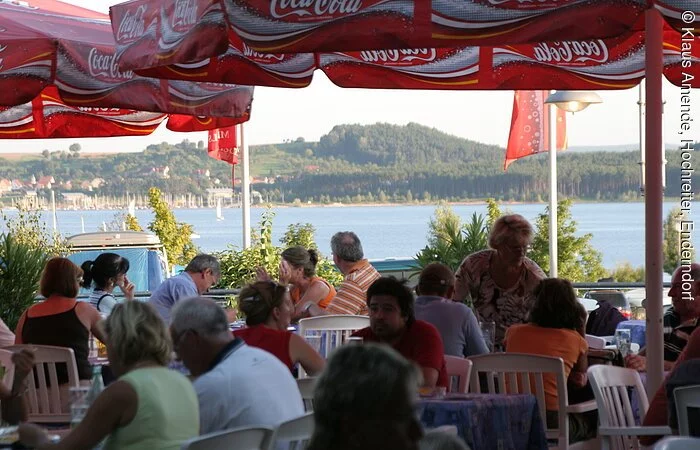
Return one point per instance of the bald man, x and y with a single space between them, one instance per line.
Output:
680 320
460 331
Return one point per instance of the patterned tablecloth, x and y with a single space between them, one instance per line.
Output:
485 421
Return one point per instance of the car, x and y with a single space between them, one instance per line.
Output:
147 257
616 298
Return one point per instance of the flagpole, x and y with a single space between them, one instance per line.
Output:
553 232
245 189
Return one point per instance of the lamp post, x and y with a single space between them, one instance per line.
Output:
571 101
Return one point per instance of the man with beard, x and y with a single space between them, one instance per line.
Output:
392 322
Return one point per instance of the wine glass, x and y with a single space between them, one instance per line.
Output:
623 342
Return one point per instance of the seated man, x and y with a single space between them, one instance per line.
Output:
680 320
236 385
455 321
392 322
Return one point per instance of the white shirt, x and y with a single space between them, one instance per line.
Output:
248 387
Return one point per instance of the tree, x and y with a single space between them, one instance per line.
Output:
75 148
578 260
200 145
132 223
493 212
175 236
672 240
626 273
46 154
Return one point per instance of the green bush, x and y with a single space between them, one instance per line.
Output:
20 271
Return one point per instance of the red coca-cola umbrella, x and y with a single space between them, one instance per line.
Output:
50 43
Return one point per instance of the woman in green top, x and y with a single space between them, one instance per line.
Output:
149 407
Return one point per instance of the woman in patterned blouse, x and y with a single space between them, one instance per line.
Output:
500 281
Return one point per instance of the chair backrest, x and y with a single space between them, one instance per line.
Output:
293 434
596 342
611 388
250 438
519 373
685 397
459 371
306 389
678 443
333 331
8 368
44 401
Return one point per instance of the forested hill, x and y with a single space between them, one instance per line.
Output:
352 163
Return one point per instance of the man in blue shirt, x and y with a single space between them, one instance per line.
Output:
200 274
460 331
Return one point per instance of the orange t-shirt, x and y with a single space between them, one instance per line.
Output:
556 342
295 293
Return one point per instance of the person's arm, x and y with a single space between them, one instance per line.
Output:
13 408
430 355
115 407
20 326
301 352
314 294
92 319
462 282
475 344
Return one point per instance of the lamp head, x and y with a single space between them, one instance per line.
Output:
573 101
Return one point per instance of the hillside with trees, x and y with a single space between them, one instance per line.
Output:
351 163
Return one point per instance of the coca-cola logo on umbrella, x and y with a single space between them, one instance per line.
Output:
18 3
264 58
572 52
2 49
132 25
184 15
399 57
309 10
527 4
104 65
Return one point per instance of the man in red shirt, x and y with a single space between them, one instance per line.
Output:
392 321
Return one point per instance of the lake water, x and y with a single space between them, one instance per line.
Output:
392 231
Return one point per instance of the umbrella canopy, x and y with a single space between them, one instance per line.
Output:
50 43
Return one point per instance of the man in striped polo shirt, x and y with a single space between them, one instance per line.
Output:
351 297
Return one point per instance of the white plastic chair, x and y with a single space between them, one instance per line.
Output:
685 397
249 438
46 404
335 328
519 373
618 429
459 370
9 366
293 434
306 389
596 342
678 443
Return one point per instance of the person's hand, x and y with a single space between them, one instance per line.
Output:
636 362
128 288
261 274
31 435
578 379
285 272
23 361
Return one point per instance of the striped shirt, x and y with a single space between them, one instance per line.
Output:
352 294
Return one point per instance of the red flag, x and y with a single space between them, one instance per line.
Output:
223 145
529 126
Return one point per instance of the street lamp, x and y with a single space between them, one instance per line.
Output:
571 101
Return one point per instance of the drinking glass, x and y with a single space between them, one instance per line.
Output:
623 342
354 340
488 332
314 340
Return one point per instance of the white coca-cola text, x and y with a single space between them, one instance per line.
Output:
572 51
284 8
105 65
403 55
2 49
520 2
185 14
252 54
20 3
132 25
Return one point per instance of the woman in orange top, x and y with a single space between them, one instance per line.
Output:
60 320
556 327
298 269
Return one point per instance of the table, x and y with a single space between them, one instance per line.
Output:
488 421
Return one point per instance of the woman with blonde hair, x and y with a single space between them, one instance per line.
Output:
298 269
268 311
149 406
61 320
501 280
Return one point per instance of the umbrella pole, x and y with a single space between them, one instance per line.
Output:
553 210
245 189
653 200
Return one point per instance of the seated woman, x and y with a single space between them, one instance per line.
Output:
556 328
268 310
107 271
149 406
298 268
60 320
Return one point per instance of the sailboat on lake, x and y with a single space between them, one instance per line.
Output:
219 214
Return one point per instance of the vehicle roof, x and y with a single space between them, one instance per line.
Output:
103 239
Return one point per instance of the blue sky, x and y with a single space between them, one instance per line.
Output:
280 114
